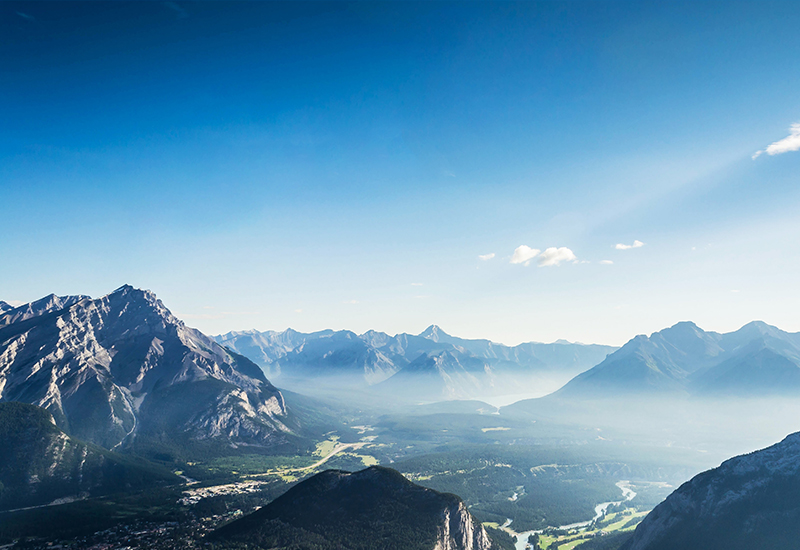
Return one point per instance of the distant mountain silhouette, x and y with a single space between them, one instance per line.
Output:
378 359
757 359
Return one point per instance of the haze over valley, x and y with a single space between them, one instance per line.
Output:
120 395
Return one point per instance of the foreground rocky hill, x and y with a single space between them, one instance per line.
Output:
373 508
121 368
750 501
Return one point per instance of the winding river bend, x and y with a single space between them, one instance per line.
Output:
599 510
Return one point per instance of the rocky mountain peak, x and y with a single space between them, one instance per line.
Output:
434 333
105 367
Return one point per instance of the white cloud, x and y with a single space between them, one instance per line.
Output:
486 257
785 145
15 303
351 302
524 254
298 311
416 284
554 256
636 244
606 262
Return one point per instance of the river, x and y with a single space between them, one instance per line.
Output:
599 510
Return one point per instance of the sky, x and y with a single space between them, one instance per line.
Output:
514 171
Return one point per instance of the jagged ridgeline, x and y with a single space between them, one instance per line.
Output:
121 371
367 510
756 360
431 366
40 464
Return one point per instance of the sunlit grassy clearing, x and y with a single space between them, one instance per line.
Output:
324 448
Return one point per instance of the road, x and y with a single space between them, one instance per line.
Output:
336 450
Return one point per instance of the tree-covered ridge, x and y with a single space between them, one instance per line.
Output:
750 501
374 508
40 464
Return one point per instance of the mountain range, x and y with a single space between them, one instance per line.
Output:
750 501
374 508
756 360
429 366
121 370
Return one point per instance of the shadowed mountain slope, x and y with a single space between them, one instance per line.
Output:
40 464
750 501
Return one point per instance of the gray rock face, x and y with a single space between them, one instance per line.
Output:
34 309
750 501
460 531
122 365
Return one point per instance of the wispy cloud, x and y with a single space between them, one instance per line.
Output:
298 310
15 303
636 244
416 284
27 16
351 302
785 145
555 256
486 257
524 254
606 262
179 11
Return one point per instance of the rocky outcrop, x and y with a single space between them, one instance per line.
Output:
460 531
112 368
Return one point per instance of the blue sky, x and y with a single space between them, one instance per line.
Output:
346 165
